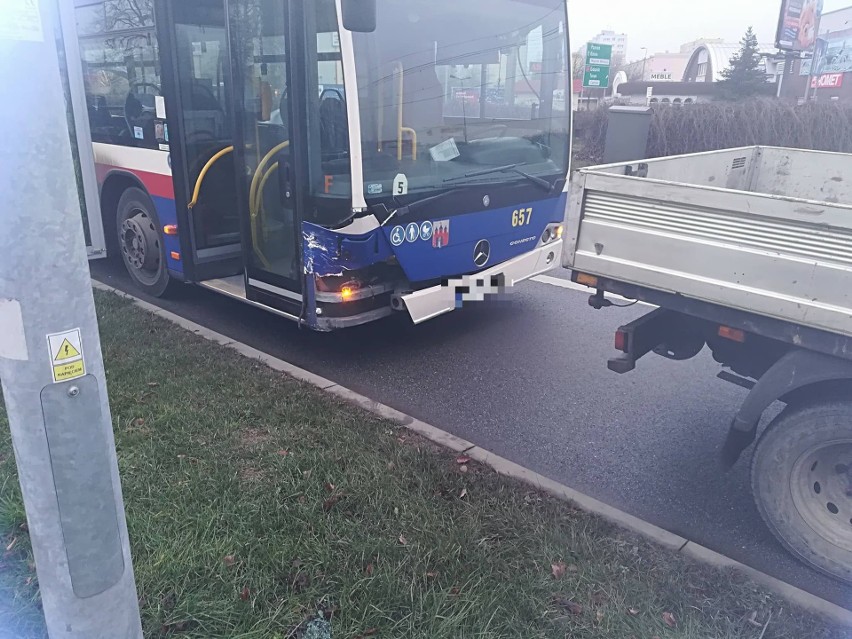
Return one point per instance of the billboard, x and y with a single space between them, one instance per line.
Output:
798 26
835 58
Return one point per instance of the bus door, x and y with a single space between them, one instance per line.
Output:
291 138
202 146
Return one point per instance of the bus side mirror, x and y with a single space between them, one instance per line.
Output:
359 16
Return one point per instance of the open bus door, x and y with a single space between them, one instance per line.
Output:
270 148
196 78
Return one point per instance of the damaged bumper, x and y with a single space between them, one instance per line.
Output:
438 300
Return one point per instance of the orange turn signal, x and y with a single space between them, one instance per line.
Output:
346 293
170 229
588 280
176 256
733 334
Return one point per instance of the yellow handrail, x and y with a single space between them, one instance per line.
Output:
259 173
197 192
401 129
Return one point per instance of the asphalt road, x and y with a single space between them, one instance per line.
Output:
526 378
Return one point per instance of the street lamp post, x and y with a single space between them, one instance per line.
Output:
644 62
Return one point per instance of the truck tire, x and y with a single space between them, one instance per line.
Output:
801 476
140 242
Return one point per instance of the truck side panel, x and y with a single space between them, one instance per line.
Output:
779 257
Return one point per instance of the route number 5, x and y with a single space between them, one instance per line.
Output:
522 217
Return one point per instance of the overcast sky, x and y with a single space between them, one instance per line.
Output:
664 25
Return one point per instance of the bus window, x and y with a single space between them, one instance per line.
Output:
202 62
121 67
441 99
329 170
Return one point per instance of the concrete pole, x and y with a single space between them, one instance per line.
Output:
51 366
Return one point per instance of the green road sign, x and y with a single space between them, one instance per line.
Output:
596 77
598 62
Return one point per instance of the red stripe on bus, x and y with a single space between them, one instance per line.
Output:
156 184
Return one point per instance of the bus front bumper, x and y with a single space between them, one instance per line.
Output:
432 302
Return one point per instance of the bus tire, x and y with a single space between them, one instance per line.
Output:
801 476
140 242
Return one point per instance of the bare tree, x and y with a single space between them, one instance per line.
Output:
578 65
129 14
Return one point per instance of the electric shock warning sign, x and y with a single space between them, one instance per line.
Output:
66 356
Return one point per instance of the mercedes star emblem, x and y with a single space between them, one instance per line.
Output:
482 253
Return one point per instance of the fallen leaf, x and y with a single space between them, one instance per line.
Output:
454 591
403 540
306 474
153 384
558 570
571 606
329 487
391 465
371 632
245 594
462 459
139 422
229 560
633 612
463 493
300 581
600 598
331 502
599 615
12 544
463 469
369 570
283 452
301 499
669 620
431 575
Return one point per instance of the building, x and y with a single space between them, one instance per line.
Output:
695 80
659 67
832 79
618 41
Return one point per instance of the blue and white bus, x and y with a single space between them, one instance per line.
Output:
333 161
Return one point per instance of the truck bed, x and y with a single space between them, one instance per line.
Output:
760 229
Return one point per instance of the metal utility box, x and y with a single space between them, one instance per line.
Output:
627 134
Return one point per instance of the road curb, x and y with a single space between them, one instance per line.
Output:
507 468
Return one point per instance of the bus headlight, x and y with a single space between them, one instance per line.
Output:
552 233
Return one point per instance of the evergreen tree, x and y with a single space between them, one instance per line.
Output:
746 76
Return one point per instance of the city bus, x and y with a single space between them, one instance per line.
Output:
332 161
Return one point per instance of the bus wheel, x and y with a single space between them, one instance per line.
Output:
801 476
140 243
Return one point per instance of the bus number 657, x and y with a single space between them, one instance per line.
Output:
521 217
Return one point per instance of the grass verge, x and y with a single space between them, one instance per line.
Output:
256 503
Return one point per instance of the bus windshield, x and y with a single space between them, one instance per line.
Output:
449 89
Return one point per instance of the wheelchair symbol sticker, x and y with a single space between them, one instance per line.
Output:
397 236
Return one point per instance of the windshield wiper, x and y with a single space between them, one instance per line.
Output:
403 211
547 186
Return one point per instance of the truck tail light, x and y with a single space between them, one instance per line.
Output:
622 341
733 334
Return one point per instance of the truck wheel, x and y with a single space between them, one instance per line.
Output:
140 242
801 476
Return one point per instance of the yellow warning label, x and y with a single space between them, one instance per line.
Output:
66 351
65 372
66 355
